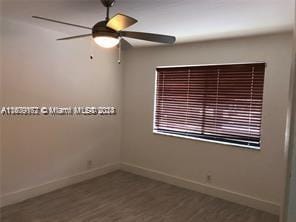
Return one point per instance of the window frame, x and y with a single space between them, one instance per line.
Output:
233 144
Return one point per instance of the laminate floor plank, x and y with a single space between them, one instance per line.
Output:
125 197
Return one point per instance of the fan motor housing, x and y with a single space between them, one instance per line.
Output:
100 29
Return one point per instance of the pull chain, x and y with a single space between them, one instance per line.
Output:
91 50
119 52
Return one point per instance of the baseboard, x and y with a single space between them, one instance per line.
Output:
27 193
235 197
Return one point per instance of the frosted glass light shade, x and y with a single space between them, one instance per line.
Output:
106 42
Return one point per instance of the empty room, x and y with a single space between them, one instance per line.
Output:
147 111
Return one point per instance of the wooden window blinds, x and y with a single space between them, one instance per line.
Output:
216 102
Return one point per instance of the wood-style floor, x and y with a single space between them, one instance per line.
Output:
125 197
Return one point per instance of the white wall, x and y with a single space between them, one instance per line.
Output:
38 71
254 175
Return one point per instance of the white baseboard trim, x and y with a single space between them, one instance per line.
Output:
235 197
243 199
27 193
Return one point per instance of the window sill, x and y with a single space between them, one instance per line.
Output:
208 140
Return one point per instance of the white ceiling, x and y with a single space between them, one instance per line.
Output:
188 20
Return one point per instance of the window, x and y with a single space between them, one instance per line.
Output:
215 102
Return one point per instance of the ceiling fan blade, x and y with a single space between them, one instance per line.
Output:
149 37
120 22
125 44
75 37
60 22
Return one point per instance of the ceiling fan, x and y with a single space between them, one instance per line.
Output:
109 32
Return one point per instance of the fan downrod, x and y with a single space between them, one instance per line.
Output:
108 4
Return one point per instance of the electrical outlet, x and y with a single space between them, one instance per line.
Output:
89 164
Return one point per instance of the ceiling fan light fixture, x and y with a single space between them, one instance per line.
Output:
106 41
110 32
